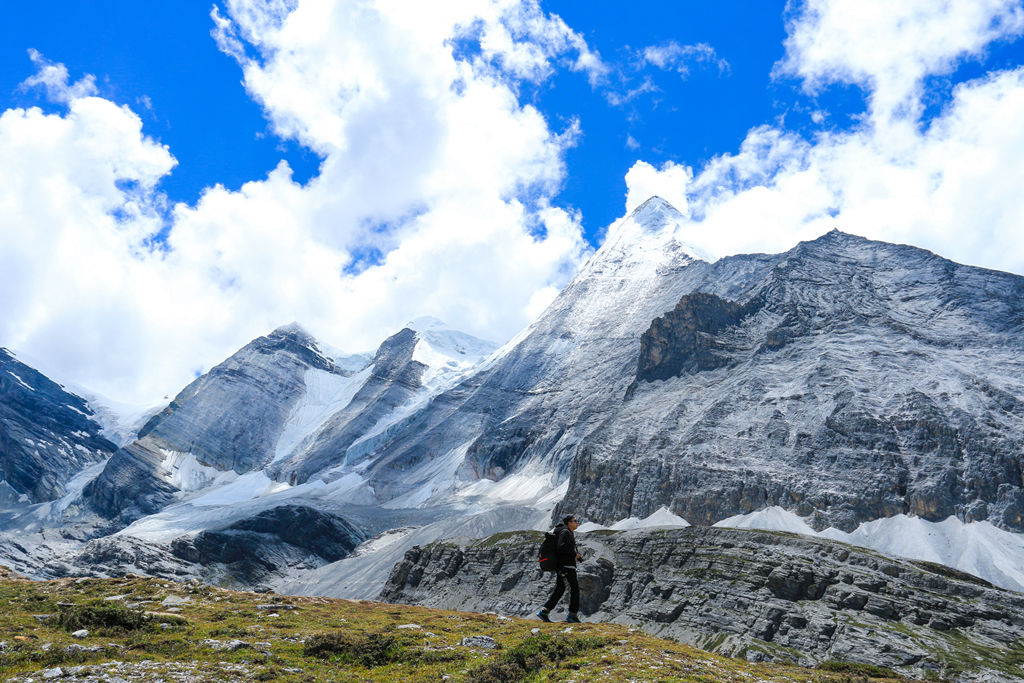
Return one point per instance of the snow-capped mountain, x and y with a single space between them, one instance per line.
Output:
224 424
277 413
47 435
845 380
842 384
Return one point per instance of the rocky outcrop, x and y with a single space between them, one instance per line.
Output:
272 541
129 486
684 339
47 435
763 595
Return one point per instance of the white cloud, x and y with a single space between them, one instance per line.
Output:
951 186
431 165
889 47
53 78
670 182
675 57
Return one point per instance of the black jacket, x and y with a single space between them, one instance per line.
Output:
566 546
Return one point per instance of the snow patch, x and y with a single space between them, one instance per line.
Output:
326 393
350 488
978 548
246 487
185 472
447 353
119 421
660 518
384 540
527 487
770 519
21 381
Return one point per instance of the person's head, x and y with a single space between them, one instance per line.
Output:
570 521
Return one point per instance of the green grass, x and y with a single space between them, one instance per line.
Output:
330 640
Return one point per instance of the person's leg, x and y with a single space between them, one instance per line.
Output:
574 590
556 594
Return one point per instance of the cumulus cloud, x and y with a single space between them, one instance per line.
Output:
950 185
433 198
670 182
889 47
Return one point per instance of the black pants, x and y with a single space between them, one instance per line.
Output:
566 576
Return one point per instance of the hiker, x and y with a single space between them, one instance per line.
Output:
566 557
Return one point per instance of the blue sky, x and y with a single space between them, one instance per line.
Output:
160 60
177 178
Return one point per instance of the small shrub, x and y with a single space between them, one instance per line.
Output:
102 617
374 649
530 655
500 671
229 632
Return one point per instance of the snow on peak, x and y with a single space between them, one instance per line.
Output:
292 328
426 323
447 353
655 213
644 240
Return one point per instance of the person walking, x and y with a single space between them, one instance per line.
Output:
565 575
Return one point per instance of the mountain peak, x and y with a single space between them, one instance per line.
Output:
292 329
655 213
426 323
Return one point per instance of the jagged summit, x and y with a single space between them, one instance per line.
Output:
644 241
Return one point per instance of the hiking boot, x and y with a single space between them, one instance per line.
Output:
543 616
572 619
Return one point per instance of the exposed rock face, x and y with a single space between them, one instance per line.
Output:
272 541
229 419
117 556
394 379
846 380
47 435
683 340
763 595
129 486
858 380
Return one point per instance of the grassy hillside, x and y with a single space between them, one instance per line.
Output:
151 629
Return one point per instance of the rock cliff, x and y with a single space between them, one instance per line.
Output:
763 595
47 435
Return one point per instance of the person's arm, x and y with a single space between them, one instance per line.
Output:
566 545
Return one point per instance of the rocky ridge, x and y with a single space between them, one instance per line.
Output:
767 596
229 419
47 435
